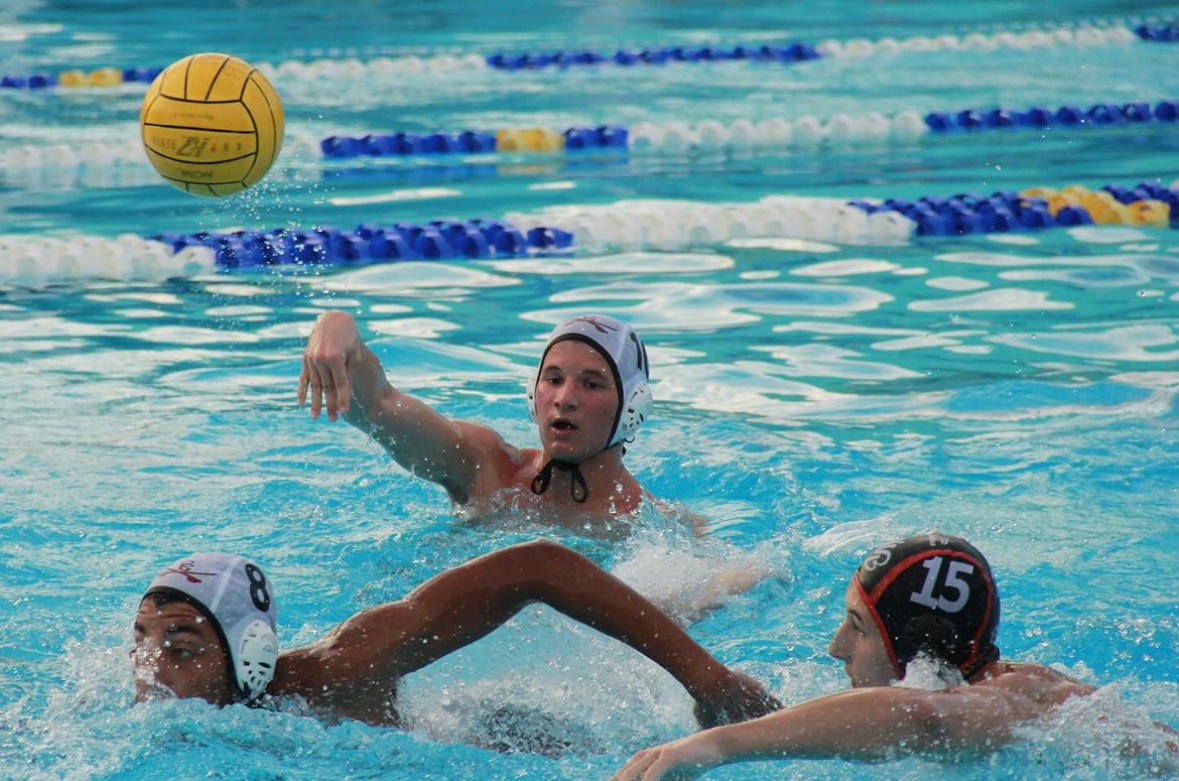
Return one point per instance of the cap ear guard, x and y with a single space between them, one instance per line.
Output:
255 658
531 389
634 412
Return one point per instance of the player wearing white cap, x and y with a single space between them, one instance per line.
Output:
588 397
206 628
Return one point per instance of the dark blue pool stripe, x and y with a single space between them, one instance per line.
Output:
437 240
1006 211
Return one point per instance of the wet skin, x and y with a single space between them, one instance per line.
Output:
576 401
859 644
178 653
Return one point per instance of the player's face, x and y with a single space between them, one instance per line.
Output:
177 653
859 645
576 401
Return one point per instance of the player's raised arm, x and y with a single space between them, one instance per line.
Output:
342 375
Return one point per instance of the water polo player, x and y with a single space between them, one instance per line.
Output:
206 629
588 396
930 596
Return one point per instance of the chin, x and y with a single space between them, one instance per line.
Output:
565 451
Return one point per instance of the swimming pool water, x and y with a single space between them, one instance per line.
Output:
813 397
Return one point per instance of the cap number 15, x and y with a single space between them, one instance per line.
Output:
926 597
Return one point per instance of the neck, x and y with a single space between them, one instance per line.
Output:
603 472
985 668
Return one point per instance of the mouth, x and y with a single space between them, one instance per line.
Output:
149 690
562 426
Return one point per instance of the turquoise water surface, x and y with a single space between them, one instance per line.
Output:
817 392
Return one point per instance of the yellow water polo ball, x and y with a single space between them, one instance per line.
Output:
211 124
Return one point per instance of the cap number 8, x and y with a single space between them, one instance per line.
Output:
258 592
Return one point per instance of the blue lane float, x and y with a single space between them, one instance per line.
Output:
369 243
1005 211
793 52
1168 33
405 144
1043 117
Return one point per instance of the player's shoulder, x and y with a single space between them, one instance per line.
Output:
1037 681
485 439
498 459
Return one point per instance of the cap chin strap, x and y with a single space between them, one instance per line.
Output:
989 655
578 487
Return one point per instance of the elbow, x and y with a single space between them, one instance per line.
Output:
542 562
543 555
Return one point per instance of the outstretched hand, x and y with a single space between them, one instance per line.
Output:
740 699
680 760
331 347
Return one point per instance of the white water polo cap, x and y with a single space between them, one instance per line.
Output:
626 356
235 595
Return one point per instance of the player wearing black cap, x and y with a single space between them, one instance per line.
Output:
931 596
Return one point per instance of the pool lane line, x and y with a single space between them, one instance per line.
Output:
771 133
1081 34
31 164
639 225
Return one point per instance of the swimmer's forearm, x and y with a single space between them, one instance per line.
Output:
843 725
371 390
578 588
819 729
870 724
861 724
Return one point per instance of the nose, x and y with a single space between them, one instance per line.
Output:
145 660
145 655
565 395
145 668
838 646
